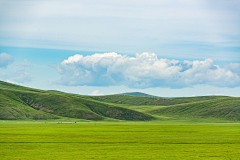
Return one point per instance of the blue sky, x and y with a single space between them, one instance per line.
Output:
166 48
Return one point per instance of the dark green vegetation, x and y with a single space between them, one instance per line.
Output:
118 140
204 107
19 103
224 108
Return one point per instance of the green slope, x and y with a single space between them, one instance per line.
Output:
12 108
16 99
123 99
6 85
17 102
224 108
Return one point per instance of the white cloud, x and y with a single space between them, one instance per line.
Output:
234 67
5 59
96 93
24 64
72 59
123 24
19 76
143 71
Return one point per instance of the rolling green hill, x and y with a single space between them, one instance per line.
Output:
132 100
224 108
12 108
18 102
203 107
6 85
23 103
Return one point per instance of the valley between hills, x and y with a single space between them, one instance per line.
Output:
23 103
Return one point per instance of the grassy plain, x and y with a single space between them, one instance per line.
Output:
119 140
125 127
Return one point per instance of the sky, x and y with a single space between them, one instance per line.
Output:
167 48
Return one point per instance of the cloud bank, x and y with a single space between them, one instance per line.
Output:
144 70
5 59
125 26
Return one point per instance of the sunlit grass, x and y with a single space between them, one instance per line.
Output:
119 140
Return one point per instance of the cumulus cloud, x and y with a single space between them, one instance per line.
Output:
19 76
96 93
5 59
142 71
234 67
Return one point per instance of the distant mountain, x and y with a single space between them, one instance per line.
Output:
138 94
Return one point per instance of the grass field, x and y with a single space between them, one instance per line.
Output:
116 126
119 140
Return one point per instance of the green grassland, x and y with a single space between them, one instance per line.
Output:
6 85
17 103
22 103
225 108
135 100
119 140
38 124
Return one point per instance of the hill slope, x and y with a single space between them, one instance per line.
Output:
17 102
25 103
13 108
6 85
224 108
132 100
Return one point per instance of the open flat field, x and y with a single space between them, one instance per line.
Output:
119 140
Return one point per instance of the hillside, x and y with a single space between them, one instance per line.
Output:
6 85
203 107
132 100
23 103
18 102
11 107
224 108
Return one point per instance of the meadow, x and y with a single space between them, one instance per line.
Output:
116 126
119 140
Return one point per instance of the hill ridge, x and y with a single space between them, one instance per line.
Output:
58 105
18 102
138 94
